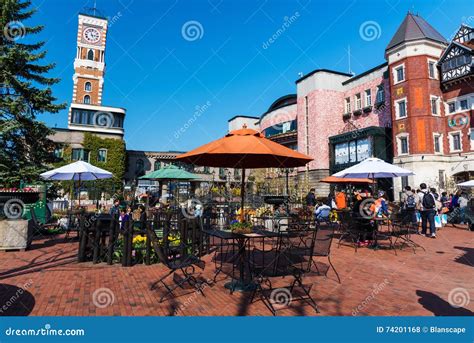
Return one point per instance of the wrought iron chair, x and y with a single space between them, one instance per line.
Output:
402 228
184 264
322 247
276 298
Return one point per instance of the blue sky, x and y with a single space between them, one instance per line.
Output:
163 79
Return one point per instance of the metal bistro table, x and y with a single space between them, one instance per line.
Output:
242 284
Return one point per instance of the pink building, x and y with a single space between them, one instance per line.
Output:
415 110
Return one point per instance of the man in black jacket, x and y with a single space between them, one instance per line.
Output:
311 198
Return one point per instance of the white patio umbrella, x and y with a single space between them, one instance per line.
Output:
469 183
373 168
77 171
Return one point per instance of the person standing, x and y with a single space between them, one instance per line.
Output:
427 210
462 207
409 201
311 198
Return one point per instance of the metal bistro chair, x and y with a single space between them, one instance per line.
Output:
353 228
276 298
322 247
184 264
402 228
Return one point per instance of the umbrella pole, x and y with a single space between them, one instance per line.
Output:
242 194
79 194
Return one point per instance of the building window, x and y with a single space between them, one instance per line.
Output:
87 86
432 69
102 155
222 173
157 165
87 99
403 145
358 102
401 108
380 96
90 55
139 166
455 141
451 107
80 155
368 97
434 105
441 179
438 143
404 181
59 153
348 105
463 104
399 74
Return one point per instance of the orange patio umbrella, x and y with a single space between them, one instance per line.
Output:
244 149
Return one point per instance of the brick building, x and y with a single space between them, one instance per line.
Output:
414 110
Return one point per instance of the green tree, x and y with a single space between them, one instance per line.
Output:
25 92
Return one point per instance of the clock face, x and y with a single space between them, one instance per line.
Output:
91 35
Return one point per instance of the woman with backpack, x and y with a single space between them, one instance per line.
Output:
409 202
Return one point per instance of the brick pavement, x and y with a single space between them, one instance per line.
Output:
373 283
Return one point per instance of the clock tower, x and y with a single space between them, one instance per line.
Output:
89 65
87 112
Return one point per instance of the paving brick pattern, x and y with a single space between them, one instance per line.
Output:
47 281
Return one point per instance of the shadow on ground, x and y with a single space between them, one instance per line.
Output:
440 307
15 301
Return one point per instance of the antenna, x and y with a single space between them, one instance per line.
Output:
349 59
95 6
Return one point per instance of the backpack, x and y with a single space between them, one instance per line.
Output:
428 201
410 203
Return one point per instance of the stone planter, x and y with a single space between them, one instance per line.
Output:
14 234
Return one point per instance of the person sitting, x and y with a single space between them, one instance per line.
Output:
322 212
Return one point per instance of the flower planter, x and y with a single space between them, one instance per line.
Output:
346 116
14 234
357 112
367 109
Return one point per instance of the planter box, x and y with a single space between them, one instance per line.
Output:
357 112
14 234
367 109
346 115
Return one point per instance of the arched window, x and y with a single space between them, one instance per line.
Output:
87 99
87 87
139 166
157 165
90 55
